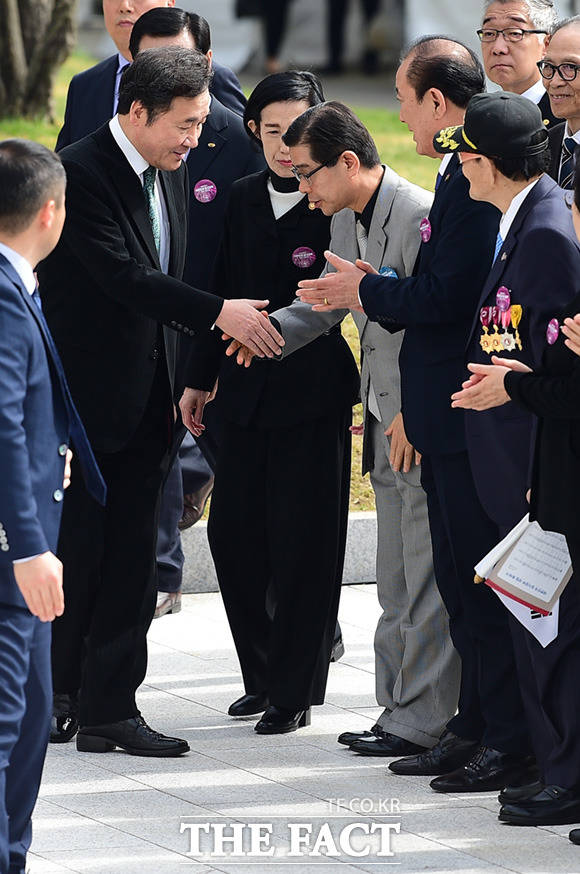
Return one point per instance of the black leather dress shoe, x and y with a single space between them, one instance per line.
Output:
348 737
487 770
519 793
279 720
385 744
64 722
552 806
449 753
575 835
132 735
249 705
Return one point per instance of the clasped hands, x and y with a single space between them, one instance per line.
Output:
333 291
485 387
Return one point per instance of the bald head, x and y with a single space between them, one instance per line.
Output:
445 64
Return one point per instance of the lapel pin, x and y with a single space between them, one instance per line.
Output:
503 257
211 145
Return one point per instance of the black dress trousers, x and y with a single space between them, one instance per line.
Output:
99 644
490 706
256 541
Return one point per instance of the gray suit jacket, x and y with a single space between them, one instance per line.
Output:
393 241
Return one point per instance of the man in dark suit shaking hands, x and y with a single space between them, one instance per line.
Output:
36 418
110 287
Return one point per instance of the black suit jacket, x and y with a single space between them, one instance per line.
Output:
436 307
548 117
89 102
104 293
540 265
553 394
255 261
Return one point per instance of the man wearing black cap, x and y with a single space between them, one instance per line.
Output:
505 156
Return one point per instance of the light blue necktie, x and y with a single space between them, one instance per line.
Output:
498 245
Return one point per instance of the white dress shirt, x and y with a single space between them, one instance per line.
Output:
509 215
535 93
139 165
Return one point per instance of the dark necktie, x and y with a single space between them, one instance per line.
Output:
91 474
149 177
567 166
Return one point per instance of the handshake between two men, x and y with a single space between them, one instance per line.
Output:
253 334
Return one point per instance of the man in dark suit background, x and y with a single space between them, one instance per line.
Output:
223 154
110 286
484 745
93 94
535 219
37 418
514 35
560 73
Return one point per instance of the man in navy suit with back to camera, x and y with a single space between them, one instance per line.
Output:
485 745
37 419
93 94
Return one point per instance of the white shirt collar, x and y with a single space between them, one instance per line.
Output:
536 92
136 160
445 160
513 209
22 267
568 133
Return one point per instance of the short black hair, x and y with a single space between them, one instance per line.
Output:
170 21
329 130
156 77
523 168
431 66
30 174
287 86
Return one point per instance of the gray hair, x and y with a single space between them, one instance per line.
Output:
565 22
542 13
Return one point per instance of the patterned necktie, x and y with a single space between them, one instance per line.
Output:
149 177
498 245
91 474
362 239
566 175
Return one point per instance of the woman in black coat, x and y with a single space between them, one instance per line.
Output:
279 507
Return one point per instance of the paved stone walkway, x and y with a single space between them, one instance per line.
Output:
118 814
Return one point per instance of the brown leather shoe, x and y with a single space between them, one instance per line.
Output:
194 505
167 602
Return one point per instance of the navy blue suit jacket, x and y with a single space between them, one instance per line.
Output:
540 265
34 431
436 307
89 102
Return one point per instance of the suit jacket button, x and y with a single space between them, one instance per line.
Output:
4 547
179 327
58 495
62 449
172 324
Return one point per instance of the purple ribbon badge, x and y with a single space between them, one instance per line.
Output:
205 191
552 331
425 230
303 257
503 299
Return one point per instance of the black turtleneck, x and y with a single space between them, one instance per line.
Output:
283 184
366 216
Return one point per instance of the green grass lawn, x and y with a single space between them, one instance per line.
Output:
395 146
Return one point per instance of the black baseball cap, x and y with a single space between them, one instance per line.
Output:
497 125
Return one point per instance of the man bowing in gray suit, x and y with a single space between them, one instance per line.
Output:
377 217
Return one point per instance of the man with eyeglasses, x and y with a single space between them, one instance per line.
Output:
513 39
559 71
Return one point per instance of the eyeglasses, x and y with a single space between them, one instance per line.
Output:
567 72
510 34
306 177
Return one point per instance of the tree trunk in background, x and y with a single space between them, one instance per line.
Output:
36 37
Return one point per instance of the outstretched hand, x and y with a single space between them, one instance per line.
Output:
334 290
242 320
